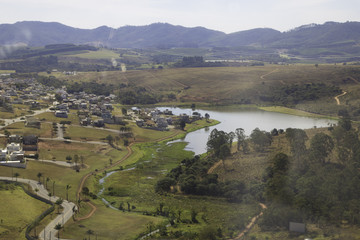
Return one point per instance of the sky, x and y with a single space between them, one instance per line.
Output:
223 15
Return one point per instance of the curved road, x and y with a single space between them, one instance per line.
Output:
337 98
50 232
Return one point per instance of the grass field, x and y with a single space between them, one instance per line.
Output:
100 54
17 211
108 224
20 129
50 117
87 134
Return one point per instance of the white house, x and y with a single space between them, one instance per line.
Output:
3 155
17 156
13 147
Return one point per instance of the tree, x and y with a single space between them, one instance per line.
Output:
297 139
16 175
58 202
47 180
90 232
124 111
231 138
58 227
164 185
109 138
68 158
207 117
194 213
53 188
240 135
224 151
58 97
67 191
276 187
261 139
39 175
321 146
216 140
85 191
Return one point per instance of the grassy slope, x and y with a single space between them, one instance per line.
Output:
231 84
14 220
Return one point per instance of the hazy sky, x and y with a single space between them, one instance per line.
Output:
223 15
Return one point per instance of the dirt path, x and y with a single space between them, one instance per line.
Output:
214 166
252 223
263 76
337 98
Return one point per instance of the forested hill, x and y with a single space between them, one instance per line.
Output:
162 35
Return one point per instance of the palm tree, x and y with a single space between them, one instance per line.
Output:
67 191
39 175
16 175
47 180
59 202
90 232
58 227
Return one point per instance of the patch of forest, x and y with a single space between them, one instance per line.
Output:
290 95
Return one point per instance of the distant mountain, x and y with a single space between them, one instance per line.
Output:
336 36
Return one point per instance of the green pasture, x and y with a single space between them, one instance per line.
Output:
109 224
17 211
99 54
50 117
87 134
19 128
17 112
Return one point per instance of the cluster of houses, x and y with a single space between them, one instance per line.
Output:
160 120
23 91
87 105
16 147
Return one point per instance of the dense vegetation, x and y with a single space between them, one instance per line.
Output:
317 184
291 95
27 52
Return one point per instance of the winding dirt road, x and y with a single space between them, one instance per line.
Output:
337 98
252 222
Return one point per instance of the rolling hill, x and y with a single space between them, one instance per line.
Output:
341 40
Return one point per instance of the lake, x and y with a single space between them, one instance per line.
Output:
246 119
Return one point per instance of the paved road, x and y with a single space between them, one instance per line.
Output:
60 163
50 232
75 141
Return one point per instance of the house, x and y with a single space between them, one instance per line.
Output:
62 114
85 121
168 112
99 123
30 140
14 139
17 156
140 122
3 154
13 147
32 122
161 123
